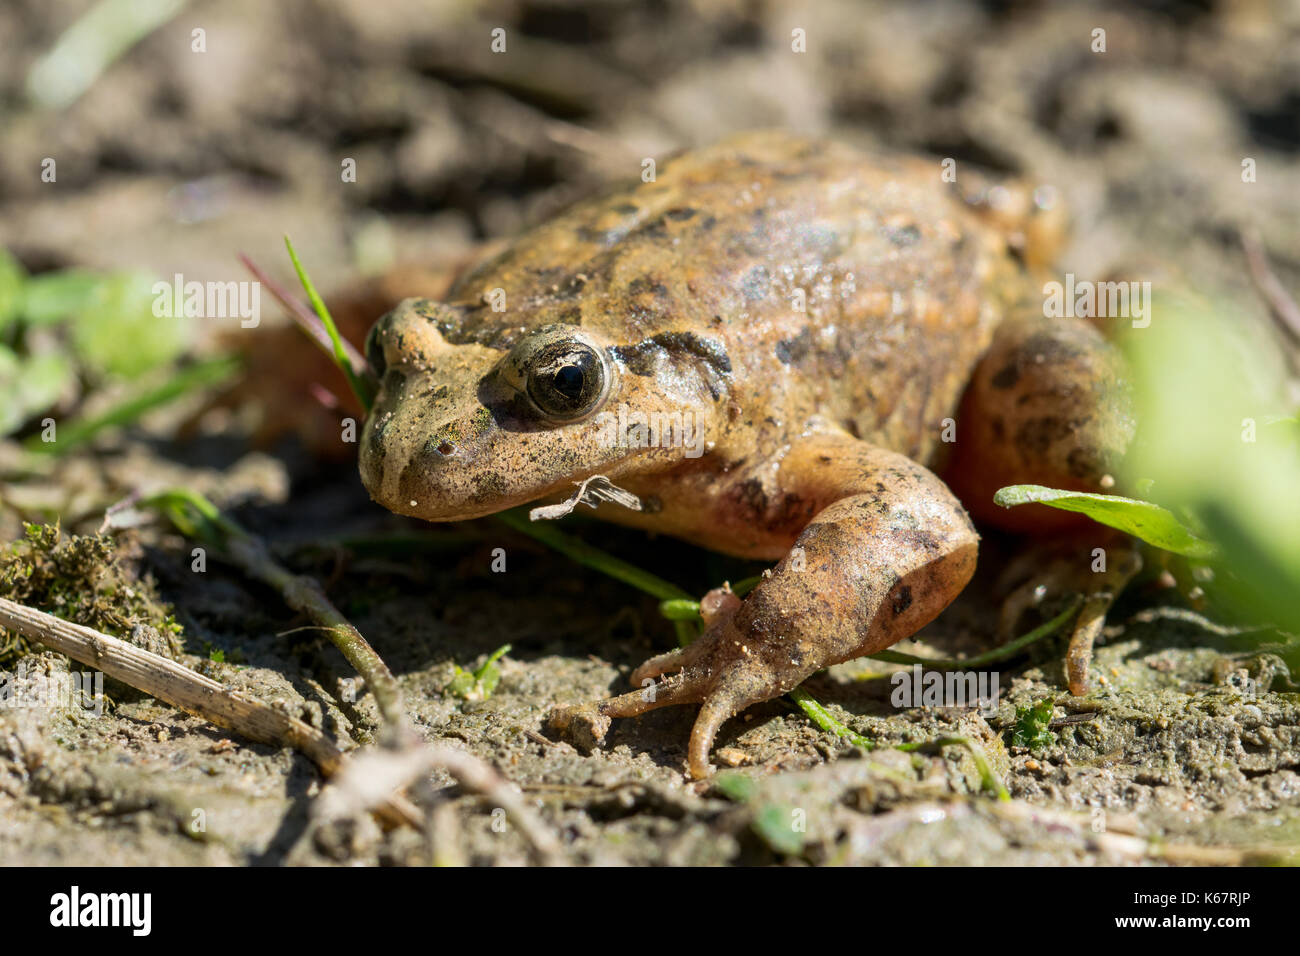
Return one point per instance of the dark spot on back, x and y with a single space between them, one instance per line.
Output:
642 285
756 283
902 600
1008 377
1083 464
794 349
1039 434
902 235
644 357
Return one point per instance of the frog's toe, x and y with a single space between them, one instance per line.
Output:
667 663
717 670
581 725
585 725
725 699
1099 588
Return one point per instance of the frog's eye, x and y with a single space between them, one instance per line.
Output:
567 380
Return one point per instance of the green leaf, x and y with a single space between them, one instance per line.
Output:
461 684
31 385
362 387
489 675
774 823
54 296
12 279
736 786
117 335
1142 519
478 684
134 406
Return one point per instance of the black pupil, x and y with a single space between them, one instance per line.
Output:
568 381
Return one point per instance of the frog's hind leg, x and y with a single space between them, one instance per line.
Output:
1049 404
888 547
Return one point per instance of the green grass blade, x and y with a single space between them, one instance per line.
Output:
591 557
361 387
998 654
92 44
182 383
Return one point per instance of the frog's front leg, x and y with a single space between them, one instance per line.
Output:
888 548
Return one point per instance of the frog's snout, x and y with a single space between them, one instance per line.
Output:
425 446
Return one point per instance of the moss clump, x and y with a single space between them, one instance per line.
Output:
1031 727
86 579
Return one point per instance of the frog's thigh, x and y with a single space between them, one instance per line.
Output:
889 550
1048 404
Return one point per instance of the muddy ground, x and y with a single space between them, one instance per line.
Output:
175 161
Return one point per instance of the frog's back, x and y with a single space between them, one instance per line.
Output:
838 284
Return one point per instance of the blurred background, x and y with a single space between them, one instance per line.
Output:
171 160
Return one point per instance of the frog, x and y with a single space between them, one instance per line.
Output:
844 352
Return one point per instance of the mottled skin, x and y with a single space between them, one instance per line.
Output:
821 419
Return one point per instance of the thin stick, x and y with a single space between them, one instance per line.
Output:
172 682
301 593
1285 311
203 697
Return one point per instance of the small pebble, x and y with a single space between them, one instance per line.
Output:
731 757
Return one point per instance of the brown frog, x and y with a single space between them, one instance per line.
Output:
778 344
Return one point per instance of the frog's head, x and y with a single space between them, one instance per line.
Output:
461 429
